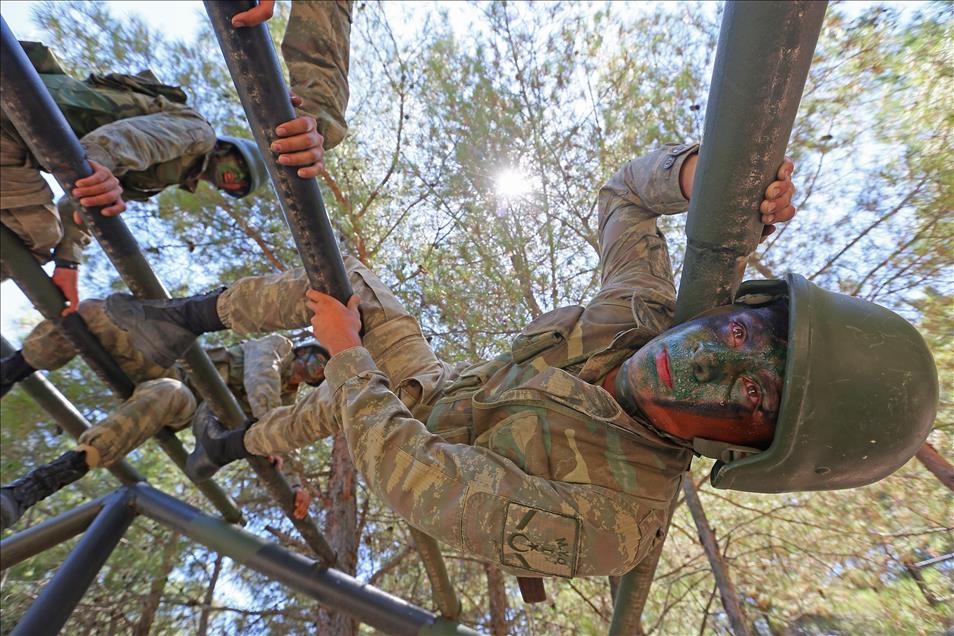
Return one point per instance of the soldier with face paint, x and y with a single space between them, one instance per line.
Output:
140 137
263 373
561 456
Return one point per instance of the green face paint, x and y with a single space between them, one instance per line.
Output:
718 376
308 366
228 171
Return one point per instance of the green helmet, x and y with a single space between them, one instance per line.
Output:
859 397
254 164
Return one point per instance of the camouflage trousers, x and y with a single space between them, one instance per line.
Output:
316 48
26 201
152 406
392 336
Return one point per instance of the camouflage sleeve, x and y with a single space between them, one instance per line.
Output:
265 359
135 144
471 498
634 257
316 48
75 237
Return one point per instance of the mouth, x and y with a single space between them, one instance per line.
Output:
662 367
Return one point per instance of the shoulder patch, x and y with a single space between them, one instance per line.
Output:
540 540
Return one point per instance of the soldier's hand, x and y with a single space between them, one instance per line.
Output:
100 189
255 15
777 205
335 326
300 144
68 281
302 501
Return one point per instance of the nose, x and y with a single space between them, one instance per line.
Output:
704 367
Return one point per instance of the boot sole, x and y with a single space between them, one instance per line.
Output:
126 312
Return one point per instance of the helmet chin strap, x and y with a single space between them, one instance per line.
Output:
722 451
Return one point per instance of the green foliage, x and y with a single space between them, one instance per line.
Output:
563 93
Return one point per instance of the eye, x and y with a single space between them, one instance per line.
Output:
752 391
737 331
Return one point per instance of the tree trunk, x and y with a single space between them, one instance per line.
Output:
341 528
209 596
720 570
937 465
157 587
497 595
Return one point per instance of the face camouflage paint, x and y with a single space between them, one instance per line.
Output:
229 172
718 376
308 366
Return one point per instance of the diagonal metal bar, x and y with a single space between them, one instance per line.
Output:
41 124
43 536
757 83
66 415
330 587
49 301
257 75
59 598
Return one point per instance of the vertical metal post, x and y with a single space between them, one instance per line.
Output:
261 87
49 301
762 61
253 64
53 531
56 602
332 588
44 128
67 417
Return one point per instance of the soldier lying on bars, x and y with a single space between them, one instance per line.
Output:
561 456
263 374
140 137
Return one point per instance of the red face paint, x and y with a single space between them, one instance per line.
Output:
718 376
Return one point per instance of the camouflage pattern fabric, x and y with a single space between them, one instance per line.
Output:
125 123
256 371
524 460
153 404
316 48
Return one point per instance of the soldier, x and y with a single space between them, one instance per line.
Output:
561 456
140 138
263 374
316 48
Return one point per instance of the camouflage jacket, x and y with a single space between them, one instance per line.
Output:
257 372
561 481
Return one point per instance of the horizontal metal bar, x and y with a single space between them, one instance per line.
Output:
59 598
43 536
332 588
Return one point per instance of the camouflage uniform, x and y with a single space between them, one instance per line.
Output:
139 129
316 48
256 371
524 460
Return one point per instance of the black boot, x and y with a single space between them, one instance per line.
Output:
215 445
39 484
13 368
164 329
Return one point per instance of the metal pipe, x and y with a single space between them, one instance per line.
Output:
50 611
442 591
330 587
66 415
261 87
257 75
49 301
41 124
757 83
43 536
